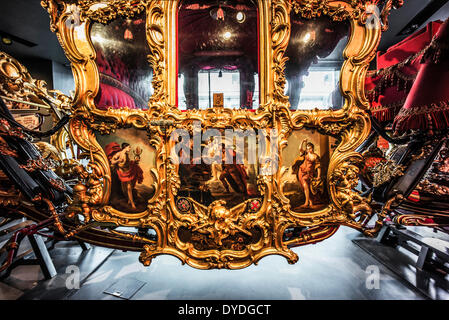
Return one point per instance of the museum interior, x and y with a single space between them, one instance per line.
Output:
224 150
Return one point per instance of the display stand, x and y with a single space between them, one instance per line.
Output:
38 248
429 256
417 255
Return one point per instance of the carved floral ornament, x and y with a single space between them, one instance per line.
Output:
215 234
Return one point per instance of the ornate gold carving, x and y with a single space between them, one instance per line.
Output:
415 220
38 164
9 195
314 8
7 130
386 11
280 34
216 236
17 83
159 48
386 210
385 171
98 10
52 7
6 150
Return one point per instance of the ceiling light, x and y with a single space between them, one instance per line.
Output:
6 40
307 37
240 17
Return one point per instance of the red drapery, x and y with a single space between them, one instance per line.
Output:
111 96
387 88
427 104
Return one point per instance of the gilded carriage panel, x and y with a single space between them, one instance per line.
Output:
209 212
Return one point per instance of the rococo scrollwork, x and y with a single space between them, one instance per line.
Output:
173 215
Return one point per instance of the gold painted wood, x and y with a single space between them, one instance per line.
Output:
71 20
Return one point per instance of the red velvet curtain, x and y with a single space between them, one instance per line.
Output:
388 87
427 104
112 96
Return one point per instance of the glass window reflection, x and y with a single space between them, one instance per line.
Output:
315 53
218 53
125 74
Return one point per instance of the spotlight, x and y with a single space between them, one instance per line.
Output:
7 41
227 35
240 17
307 37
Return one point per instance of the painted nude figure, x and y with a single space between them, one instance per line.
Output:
307 168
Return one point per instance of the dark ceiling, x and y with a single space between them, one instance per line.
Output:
417 12
27 20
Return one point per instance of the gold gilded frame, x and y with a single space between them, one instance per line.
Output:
71 21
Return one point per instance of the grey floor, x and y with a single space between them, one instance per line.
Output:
336 268
431 282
